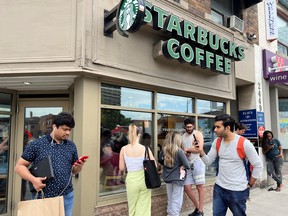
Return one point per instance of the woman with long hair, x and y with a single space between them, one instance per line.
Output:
175 163
273 151
131 159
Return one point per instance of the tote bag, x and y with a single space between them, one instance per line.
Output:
152 179
42 207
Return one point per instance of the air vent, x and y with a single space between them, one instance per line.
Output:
235 23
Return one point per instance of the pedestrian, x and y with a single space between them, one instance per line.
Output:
174 172
232 187
273 151
63 153
240 128
195 175
131 159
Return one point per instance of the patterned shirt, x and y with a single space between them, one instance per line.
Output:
62 155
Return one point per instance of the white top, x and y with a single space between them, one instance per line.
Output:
232 173
187 142
133 163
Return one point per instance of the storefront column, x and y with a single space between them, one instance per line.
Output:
86 134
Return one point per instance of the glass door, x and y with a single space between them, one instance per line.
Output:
34 121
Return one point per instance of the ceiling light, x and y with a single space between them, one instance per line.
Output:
27 83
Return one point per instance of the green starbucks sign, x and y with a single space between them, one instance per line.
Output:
188 43
130 15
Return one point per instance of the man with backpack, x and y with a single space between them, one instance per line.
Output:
232 184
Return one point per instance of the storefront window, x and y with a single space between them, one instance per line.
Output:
210 107
283 123
206 126
125 97
4 160
166 123
175 103
5 102
122 106
114 135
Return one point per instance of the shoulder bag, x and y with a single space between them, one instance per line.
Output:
152 178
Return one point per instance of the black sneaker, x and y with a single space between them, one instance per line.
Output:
199 213
194 212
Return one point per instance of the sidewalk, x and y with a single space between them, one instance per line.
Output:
262 202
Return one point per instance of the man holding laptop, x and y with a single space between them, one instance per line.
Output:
63 155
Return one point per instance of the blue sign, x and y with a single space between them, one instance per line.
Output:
249 118
260 119
252 120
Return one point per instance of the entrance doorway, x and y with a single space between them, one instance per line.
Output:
34 121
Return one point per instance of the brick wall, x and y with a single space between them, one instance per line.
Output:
199 7
250 17
159 205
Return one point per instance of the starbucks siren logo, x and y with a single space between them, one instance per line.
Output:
130 15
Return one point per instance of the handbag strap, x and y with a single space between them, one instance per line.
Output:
147 153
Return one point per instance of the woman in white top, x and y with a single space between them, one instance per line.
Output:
131 159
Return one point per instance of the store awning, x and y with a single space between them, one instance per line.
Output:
249 3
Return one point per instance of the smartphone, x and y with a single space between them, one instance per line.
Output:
82 158
196 142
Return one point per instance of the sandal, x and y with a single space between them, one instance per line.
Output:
271 189
278 189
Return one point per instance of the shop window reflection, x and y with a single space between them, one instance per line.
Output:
168 123
210 107
173 103
4 160
206 126
125 97
114 135
5 102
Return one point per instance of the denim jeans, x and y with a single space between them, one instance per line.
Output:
69 203
234 200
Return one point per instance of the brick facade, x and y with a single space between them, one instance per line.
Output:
250 17
199 7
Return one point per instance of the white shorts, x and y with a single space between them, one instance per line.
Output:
197 175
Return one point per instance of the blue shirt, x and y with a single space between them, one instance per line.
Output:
62 155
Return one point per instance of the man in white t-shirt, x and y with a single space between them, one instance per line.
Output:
195 175
232 187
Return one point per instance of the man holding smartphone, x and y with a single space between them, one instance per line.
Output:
191 140
63 153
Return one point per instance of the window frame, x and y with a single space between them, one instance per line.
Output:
283 16
155 112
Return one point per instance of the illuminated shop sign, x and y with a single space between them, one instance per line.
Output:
275 68
189 43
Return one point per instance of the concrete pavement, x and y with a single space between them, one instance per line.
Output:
262 202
